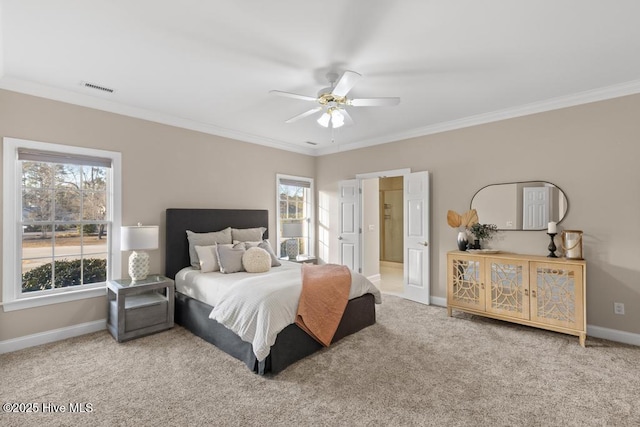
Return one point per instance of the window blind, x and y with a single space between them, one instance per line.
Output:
51 157
295 183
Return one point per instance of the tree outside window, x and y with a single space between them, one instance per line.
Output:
294 206
64 224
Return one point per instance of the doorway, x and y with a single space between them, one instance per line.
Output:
359 223
391 242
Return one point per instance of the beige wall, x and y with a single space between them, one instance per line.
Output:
162 167
590 151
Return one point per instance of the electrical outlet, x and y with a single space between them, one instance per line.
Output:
618 308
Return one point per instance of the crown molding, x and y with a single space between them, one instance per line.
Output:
84 100
43 91
586 97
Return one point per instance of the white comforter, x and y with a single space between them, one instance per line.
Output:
258 306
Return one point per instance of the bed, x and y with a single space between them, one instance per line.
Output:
292 343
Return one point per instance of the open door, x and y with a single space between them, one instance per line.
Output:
416 237
349 226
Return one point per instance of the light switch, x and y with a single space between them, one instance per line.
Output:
372 227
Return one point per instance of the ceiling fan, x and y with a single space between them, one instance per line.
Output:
333 100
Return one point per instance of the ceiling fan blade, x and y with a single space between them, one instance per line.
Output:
374 102
303 115
293 95
346 83
347 117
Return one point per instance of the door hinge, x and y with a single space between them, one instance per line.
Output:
359 270
359 190
360 230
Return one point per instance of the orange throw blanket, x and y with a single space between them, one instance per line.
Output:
325 294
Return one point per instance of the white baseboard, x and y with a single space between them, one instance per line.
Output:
33 340
613 335
592 331
439 301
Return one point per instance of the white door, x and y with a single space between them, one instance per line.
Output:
416 237
349 226
535 208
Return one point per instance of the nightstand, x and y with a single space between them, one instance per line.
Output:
141 307
303 259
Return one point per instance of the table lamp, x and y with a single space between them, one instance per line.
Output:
139 238
291 231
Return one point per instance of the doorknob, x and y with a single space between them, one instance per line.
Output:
339 237
424 243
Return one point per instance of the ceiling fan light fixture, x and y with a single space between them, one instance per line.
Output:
324 120
333 100
337 119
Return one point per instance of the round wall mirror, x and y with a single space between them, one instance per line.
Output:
529 205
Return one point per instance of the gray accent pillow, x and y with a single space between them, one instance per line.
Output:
208 258
247 234
230 258
267 247
206 239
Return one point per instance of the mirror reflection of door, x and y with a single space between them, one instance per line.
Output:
504 205
535 208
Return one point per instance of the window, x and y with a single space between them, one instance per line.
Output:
61 207
295 218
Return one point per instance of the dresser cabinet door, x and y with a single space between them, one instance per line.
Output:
507 287
466 287
557 295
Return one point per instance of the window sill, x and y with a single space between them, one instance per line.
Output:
41 300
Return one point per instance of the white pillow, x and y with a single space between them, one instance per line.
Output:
256 260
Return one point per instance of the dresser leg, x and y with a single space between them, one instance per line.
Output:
583 339
449 311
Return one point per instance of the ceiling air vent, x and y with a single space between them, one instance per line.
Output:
97 87
312 143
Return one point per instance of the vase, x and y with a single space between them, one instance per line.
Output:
462 240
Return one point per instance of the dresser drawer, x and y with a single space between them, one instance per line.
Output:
148 315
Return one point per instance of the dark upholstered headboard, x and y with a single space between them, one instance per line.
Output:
178 221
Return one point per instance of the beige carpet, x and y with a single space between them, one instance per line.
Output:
416 366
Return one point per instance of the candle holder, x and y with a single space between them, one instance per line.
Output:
552 246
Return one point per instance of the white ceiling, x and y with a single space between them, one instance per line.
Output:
209 65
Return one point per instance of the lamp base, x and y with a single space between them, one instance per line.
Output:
292 248
138 265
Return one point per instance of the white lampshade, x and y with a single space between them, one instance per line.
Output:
292 229
324 120
337 119
139 237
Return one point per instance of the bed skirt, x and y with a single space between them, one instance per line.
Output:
292 343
